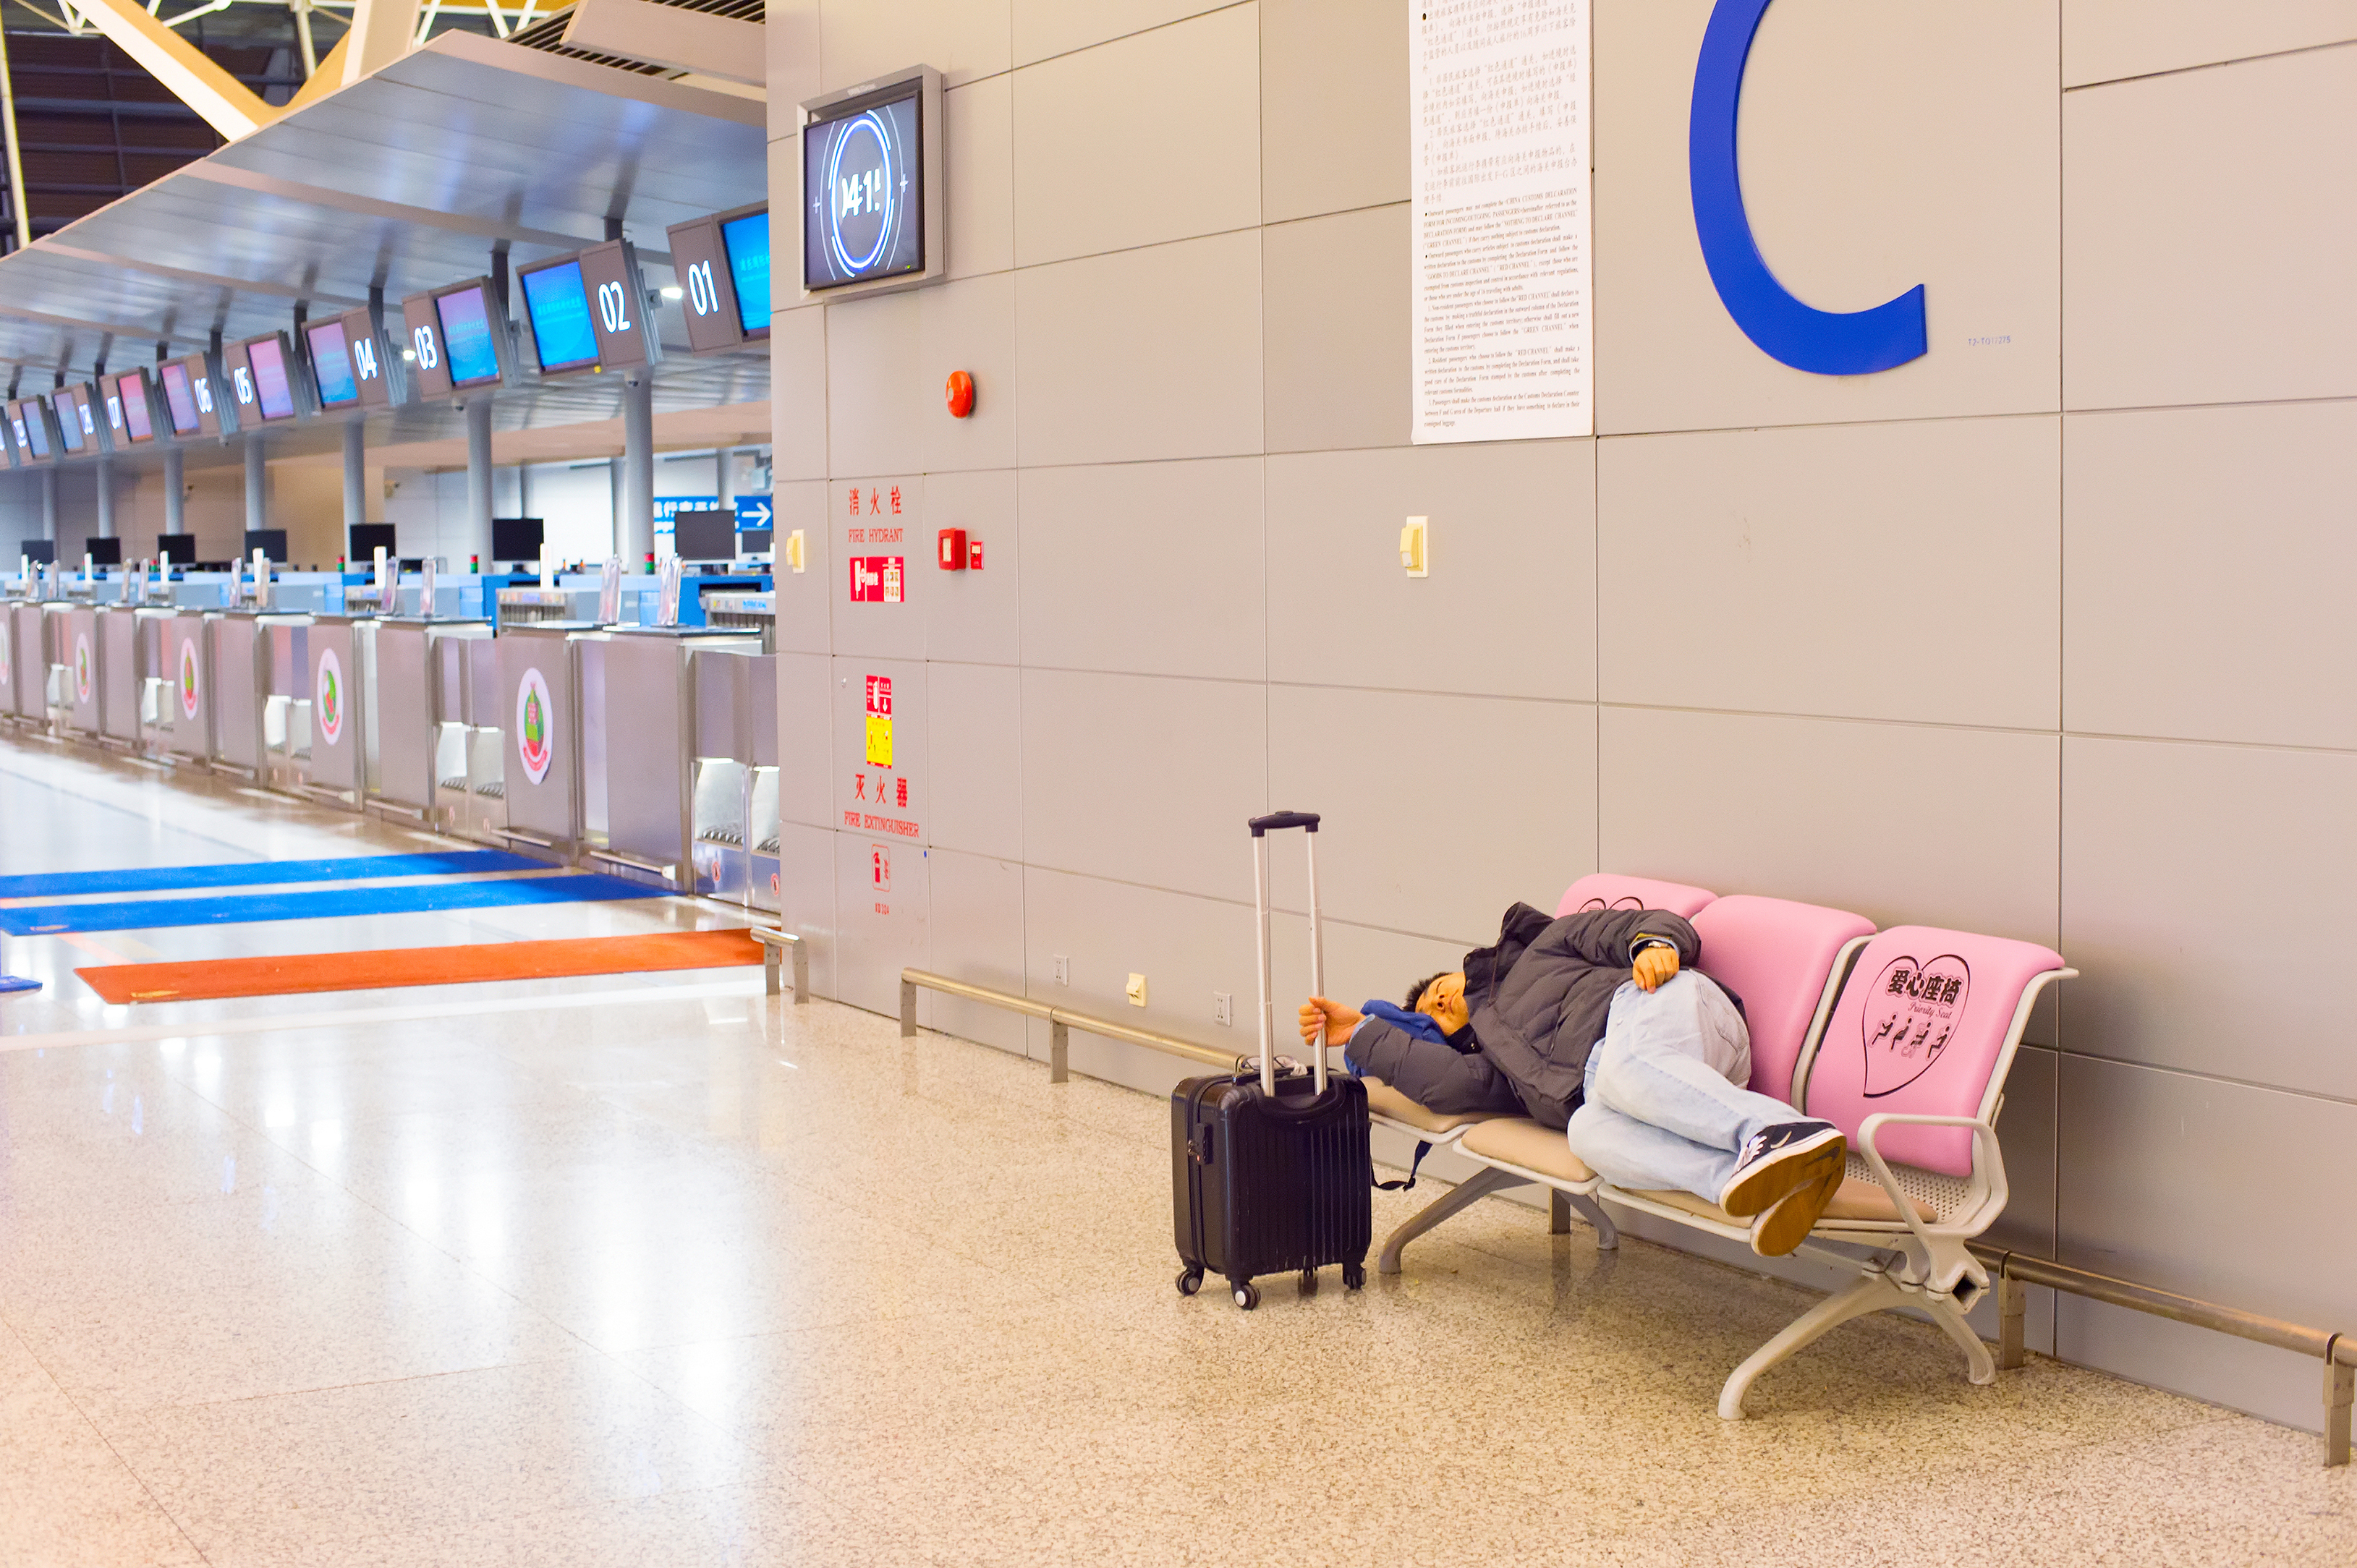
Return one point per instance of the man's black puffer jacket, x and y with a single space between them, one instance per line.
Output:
1538 1013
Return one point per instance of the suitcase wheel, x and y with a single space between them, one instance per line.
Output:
1310 1282
1191 1281
1354 1275
1247 1295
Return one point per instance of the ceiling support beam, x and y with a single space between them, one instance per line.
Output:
669 36
369 206
223 101
384 29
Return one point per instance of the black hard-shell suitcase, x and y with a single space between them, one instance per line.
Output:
1270 1173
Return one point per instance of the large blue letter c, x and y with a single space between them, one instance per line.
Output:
1800 335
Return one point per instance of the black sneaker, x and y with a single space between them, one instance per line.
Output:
1780 1159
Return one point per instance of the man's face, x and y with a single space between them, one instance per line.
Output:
1444 1002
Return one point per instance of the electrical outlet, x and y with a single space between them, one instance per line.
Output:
1223 1008
1137 991
1063 969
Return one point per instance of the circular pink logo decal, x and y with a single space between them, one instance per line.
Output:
535 726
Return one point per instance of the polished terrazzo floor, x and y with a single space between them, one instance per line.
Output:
689 1276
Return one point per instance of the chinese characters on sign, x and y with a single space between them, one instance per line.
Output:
1915 1006
879 784
1499 265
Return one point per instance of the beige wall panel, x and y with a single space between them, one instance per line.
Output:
2103 40
975 757
888 514
2222 1191
876 400
1144 778
880 931
1508 607
805 609
806 894
971 616
1955 188
963 39
1049 27
1147 568
977 935
965 325
1337 350
797 394
978 145
1153 138
2203 888
806 740
1902 823
1506 811
2207 234
791 30
2206 569
1862 571
1144 354
1333 106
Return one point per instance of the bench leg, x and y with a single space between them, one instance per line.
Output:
908 1010
1872 1292
1607 1235
802 973
1558 1212
2340 1392
1060 1051
1979 1368
1463 1196
2012 1307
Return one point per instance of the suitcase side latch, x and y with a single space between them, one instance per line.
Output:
1199 1145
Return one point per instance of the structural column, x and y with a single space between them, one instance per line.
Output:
257 479
635 519
49 505
175 499
478 478
106 499
355 481
724 463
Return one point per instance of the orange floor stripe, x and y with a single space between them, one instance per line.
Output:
383 968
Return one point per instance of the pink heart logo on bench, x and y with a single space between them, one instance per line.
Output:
1914 1008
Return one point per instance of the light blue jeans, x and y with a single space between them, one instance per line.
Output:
1659 1111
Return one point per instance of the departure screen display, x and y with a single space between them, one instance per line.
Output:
32 430
272 390
746 240
69 425
180 400
862 198
331 365
473 357
558 302
132 391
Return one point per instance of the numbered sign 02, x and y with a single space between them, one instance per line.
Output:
618 302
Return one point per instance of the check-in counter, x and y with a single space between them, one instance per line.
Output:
286 698
27 656
344 716
546 606
734 841
188 676
649 696
539 711
57 647
119 671
755 613
78 652
244 675
417 692
151 635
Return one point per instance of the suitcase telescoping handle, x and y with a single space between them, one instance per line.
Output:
1261 826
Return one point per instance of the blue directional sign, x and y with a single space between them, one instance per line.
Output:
753 512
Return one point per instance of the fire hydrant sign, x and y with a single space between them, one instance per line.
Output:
1500 273
879 579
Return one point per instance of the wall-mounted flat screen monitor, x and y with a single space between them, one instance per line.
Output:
468 348
274 384
515 538
179 397
707 298
331 365
39 552
557 302
176 549
104 551
367 538
746 242
271 542
871 191
373 373
138 420
704 534
70 431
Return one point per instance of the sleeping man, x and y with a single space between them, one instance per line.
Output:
1599 1021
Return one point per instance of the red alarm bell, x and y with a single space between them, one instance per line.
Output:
959 395
952 553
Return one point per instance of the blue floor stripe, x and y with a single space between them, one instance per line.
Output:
146 914
265 872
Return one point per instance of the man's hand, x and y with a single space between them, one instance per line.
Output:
1654 966
1334 1020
